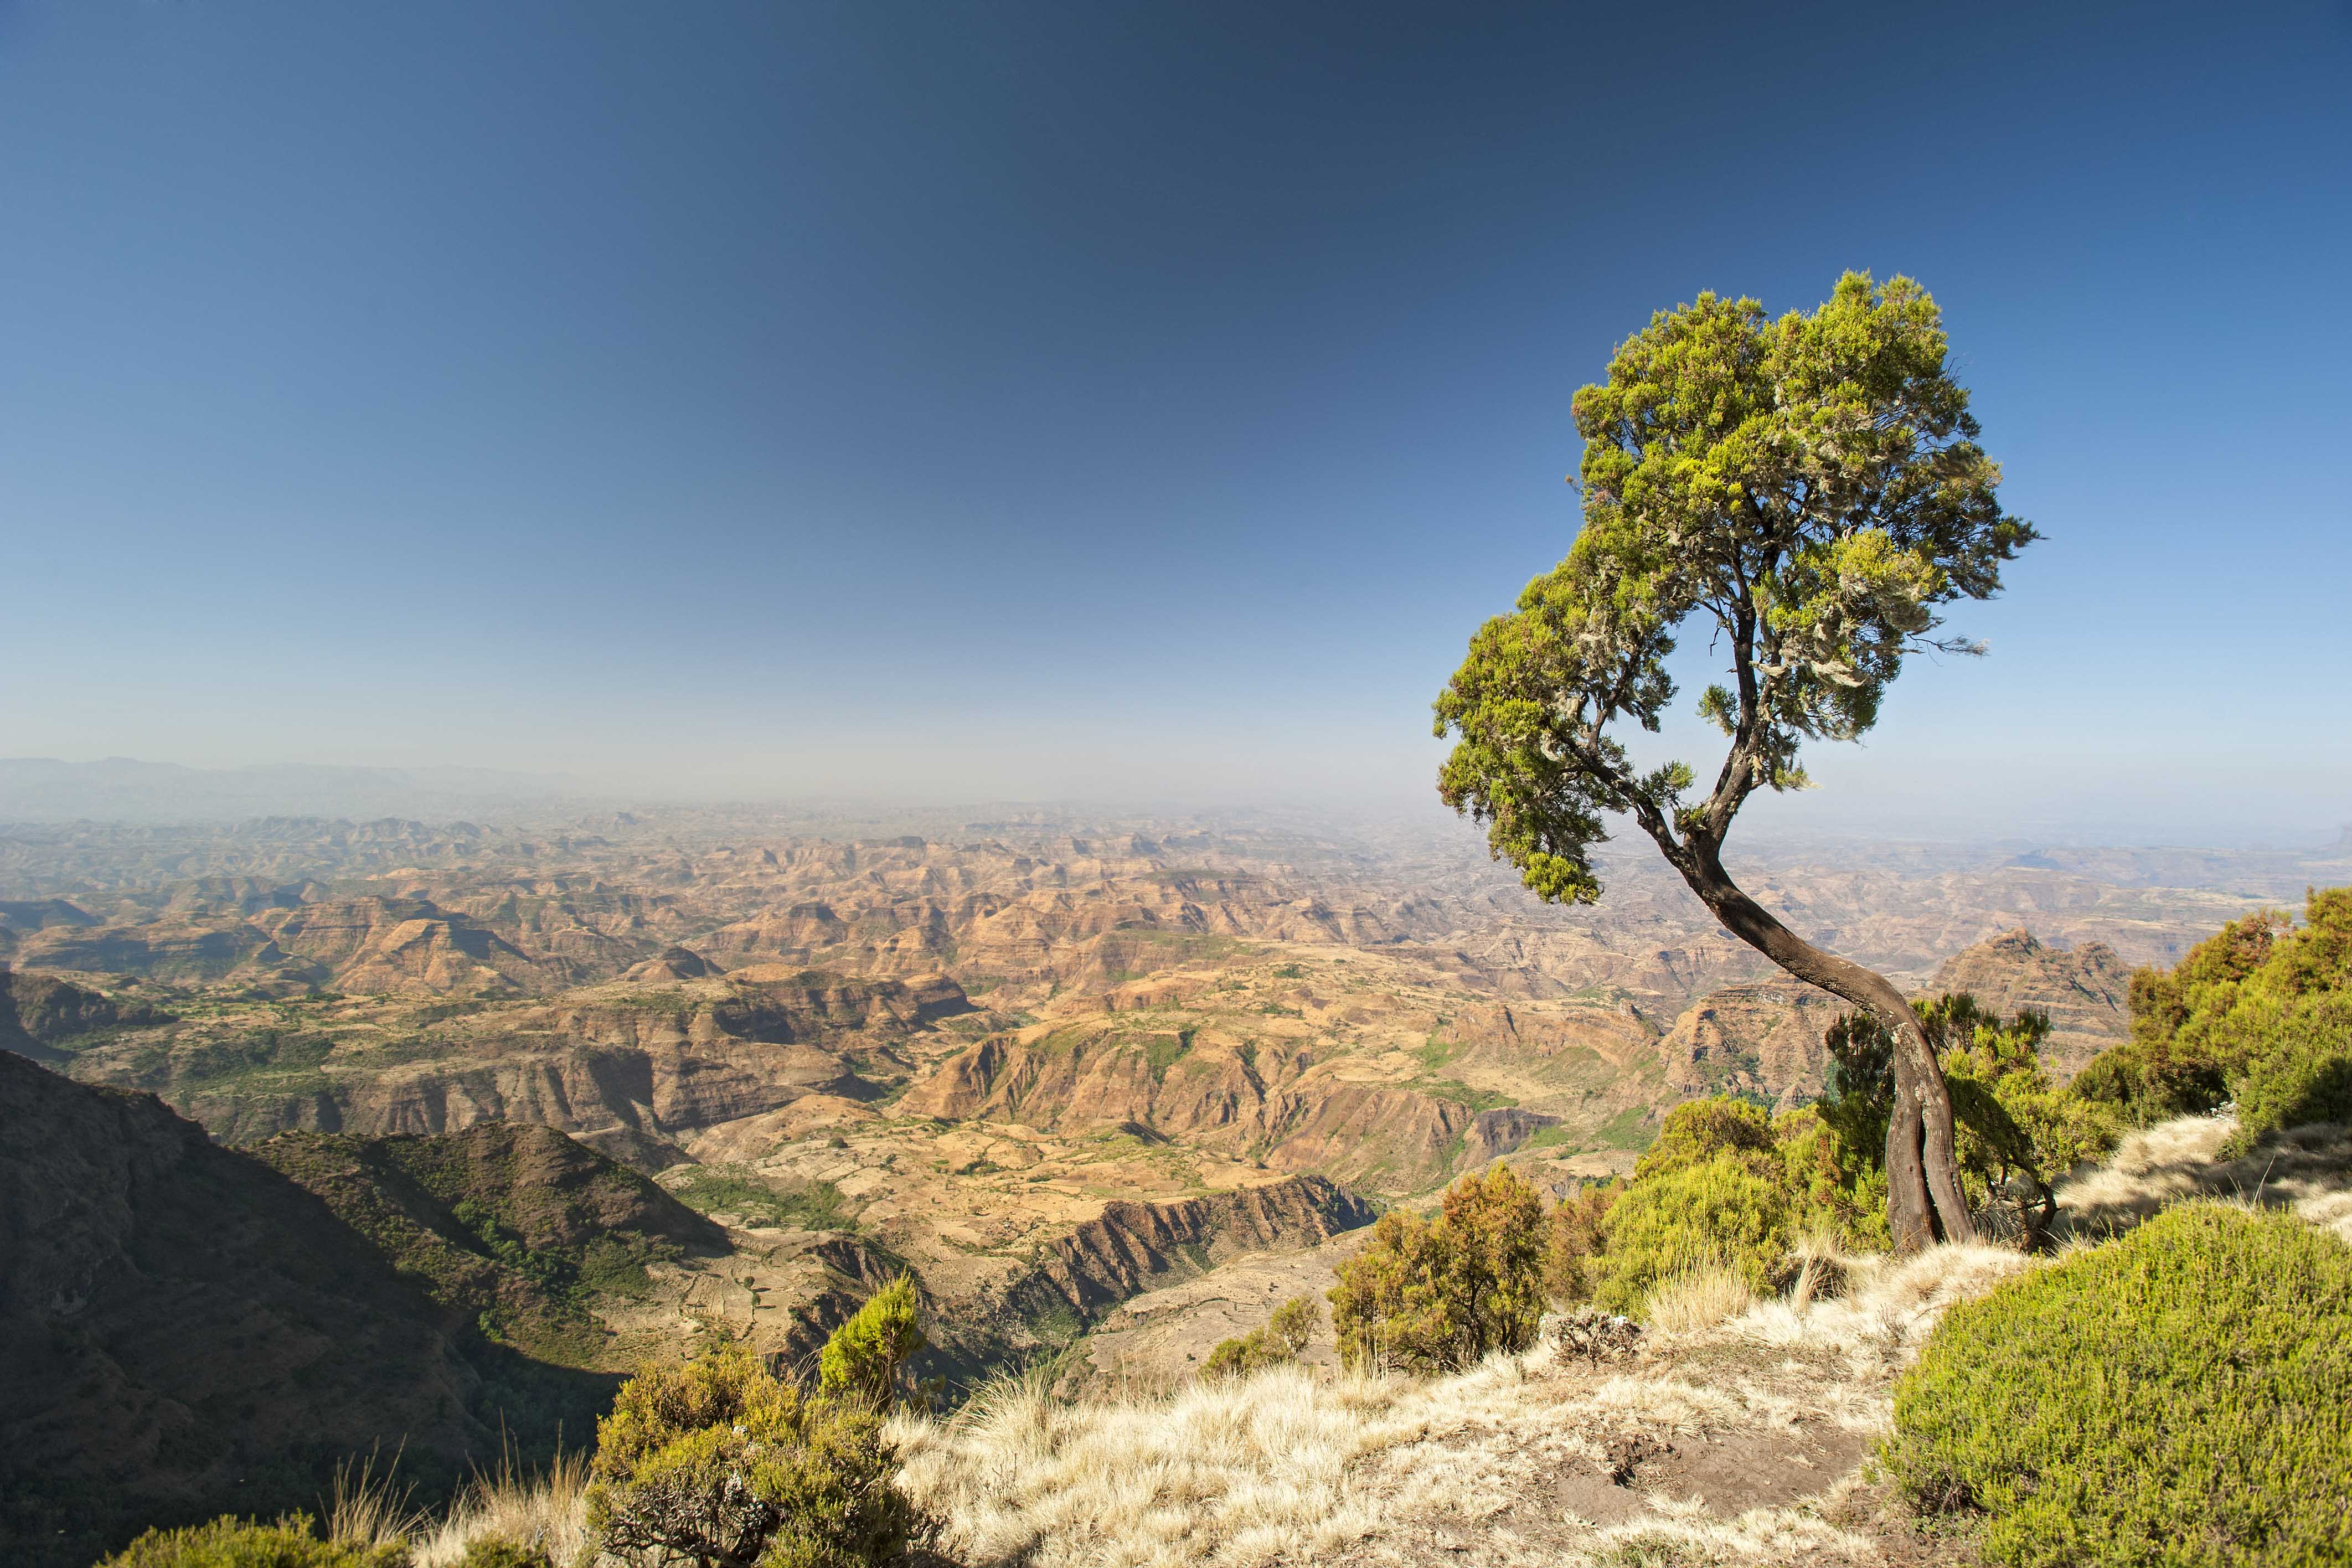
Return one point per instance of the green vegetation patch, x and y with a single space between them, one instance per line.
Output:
1163 1051
1461 1093
225 1543
2260 1012
2182 1396
522 1230
802 1205
1632 1127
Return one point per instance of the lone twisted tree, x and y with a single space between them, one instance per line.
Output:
1813 488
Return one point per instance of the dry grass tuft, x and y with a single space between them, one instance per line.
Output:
1699 1298
368 1508
545 1509
1824 1267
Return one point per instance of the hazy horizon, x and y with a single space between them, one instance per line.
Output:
924 404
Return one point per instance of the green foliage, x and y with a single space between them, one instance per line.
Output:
1441 1296
802 1205
2179 1398
1573 1239
718 1462
1722 1210
1810 487
1696 1131
495 1552
1283 1339
2015 1134
1825 1175
2261 1011
1293 1323
246 1544
864 1360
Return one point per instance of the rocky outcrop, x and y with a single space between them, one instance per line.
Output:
404 947
1496 1134
1205 1091
2085 991
1763 1039
1132 1248
674 963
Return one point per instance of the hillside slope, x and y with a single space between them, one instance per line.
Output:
183 1331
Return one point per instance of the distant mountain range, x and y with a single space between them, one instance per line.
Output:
124 789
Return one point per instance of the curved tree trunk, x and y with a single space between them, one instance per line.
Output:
1924 1203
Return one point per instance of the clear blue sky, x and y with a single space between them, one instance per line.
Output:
1053 400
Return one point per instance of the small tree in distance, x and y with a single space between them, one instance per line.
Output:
1810 488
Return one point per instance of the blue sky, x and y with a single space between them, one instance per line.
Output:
1115 400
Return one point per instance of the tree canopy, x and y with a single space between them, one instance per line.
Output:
1810 488
1810 491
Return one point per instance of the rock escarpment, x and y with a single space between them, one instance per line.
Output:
2085 991
1132 1248
1764 1039
619 1066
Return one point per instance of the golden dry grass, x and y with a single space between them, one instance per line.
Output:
543 1507
1284 1466
1699 1298
2306 1169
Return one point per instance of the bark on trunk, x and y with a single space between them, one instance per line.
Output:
1924 1203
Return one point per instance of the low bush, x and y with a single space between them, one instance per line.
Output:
1283 1339
1441 1296
492 1552
2304 1080
2179 1398
1573 1240
290 1543
718 1462
1720 1213
2261 1012
865 1360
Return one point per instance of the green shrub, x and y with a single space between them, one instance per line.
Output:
1442 1296
248 1543
1241 1356
1283 1339
2179 1398
865 1361
717 1461
495 1552
2261 1011
1293 1323
1573 1240
2304 1080
1719 1212
1696 1131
